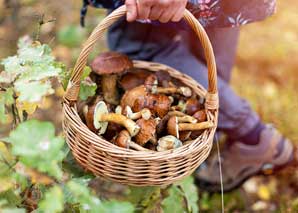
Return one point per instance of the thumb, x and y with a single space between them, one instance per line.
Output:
132 11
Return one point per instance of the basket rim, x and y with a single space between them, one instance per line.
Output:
110 148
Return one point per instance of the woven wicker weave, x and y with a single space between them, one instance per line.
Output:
132 167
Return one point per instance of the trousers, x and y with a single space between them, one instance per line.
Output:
181 50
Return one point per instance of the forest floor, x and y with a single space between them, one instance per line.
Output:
266 61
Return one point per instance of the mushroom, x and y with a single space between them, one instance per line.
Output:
180 107
162 124
147 132
174 127
185 91
109 64
118 110
151 83
133 79
124 140
167 143
164 78
201 116
130 96
101 117
144 113
192 105
158 104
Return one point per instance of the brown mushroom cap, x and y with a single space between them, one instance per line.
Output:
130 96
200 115
158 104
147 132
133 79
111 63
192 105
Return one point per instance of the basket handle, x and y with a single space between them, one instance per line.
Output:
73 87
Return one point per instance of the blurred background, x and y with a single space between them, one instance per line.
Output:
267 62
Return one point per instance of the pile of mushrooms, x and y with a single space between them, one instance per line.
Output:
140 109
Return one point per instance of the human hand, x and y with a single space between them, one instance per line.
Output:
161 10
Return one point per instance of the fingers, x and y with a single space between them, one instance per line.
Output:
155 13
178 15
162 10
144 8
132 11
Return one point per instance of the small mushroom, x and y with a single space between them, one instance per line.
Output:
158 104
174 127
180 107
185 91
133 79
144 113
118 110
130 96
167 143
102 117
164 78
124 140
147 132
192 105
151 83
201 116
109 64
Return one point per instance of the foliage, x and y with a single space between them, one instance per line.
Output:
37 170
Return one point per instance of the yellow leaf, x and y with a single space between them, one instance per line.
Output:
6 184
26 106
46 103
4 153
60 91
264 192
35 176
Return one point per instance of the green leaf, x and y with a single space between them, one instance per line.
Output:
81 194
117 207
6 161
6 98
86 72
174 202
71 36
13 210
30 70
36 145
145 198
33 91
53 201
190 192
87 89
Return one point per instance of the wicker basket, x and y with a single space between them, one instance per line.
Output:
132 167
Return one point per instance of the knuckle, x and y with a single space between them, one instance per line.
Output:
164 3
147 2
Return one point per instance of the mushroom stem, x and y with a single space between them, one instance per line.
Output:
186 119
196 126
180 107
144 113
124 140
185 91
182 118
109 89
129 124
